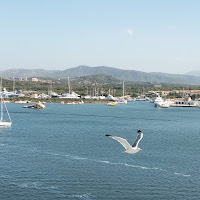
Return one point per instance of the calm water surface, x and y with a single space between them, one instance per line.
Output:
61 152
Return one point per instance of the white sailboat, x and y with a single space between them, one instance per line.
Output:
70 95
2 121
122 100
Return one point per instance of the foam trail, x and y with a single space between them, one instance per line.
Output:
156 168
36 185
78 158
53 154
105 161
129 165
142 167
80 196
75 157
181 174
33 185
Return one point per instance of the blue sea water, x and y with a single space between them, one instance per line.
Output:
61 152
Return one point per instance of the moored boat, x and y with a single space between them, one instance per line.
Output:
112 103
159 102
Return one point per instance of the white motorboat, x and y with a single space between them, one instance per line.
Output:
158 101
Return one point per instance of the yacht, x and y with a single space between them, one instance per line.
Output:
159 102
186 102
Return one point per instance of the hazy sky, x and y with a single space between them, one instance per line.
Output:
144 35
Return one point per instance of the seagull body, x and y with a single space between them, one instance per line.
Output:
129 149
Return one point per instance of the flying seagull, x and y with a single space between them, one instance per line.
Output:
129 149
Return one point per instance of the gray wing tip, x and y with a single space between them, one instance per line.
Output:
139 131
107 135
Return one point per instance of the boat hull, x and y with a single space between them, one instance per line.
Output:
5 123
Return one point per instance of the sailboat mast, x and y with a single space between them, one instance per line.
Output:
13 85
1 101
123 89
69 84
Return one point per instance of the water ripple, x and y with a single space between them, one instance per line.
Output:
123 164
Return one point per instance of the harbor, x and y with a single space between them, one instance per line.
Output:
99 100
40 155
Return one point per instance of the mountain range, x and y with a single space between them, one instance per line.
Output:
194 73
127 75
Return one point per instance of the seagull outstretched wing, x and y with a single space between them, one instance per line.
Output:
122 141
139 137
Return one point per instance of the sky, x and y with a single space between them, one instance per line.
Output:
143 35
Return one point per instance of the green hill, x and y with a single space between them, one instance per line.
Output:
127 75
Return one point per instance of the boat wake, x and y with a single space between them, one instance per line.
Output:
56 191
122 164
78 158
133 166
56 155
142 167
181 174
81 196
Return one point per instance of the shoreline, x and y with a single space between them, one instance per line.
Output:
52 100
